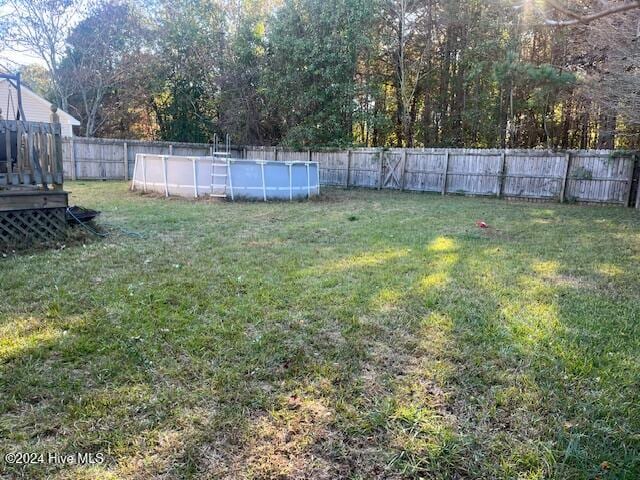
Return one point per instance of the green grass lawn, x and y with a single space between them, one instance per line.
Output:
363 335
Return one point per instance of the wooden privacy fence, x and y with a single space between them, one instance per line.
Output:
594 176
113 159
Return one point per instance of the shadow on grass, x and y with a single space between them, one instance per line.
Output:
441 354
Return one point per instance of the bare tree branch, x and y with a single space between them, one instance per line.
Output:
41 27
576 18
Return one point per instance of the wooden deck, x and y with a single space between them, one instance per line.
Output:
32 199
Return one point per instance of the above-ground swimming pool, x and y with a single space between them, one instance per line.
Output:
220 176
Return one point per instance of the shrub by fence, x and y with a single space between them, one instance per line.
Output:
595 176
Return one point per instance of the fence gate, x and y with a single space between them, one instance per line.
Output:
392 170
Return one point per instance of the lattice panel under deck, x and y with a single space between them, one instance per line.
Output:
21 227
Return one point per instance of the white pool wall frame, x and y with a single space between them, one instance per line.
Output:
235 178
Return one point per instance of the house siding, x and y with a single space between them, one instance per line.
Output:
36 109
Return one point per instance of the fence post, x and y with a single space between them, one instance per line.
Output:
638 196
348 166
170 149
310 154
126 161
404 168
445 172
74 173
501 175
637 204
275 154
565 177
381 168
627 195
244 152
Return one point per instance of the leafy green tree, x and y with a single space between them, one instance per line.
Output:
187 66
243 110
466 73
310 81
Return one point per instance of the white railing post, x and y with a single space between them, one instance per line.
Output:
264 187
144 173
133 177
229 177
164 175
195 176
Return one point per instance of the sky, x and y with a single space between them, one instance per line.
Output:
11 59
18 58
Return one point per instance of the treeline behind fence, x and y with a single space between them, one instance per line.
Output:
594 176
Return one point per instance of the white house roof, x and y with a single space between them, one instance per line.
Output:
26 91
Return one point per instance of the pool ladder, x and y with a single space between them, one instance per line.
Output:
219 175
220 168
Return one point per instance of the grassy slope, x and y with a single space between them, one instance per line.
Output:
370 334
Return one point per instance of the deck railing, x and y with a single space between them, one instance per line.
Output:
31 155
